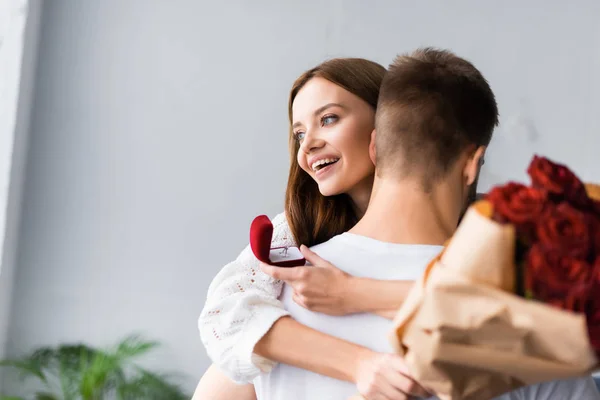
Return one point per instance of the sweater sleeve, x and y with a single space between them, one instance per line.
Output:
241 306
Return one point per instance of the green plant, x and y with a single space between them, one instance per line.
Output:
81 372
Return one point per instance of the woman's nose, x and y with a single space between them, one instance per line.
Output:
311 142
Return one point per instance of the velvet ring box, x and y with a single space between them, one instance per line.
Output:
261 234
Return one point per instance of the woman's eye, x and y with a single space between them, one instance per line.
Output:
299 136
328 119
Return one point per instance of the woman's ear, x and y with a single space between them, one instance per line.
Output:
473 165
372 152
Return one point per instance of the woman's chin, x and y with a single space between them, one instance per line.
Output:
329 190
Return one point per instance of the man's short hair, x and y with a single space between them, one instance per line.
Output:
433 105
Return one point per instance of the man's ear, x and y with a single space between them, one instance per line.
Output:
473 165
372 151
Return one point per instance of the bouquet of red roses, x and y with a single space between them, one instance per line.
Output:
514 299
557 239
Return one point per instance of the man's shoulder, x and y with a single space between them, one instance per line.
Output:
334 242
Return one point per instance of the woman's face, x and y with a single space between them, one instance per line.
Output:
333 128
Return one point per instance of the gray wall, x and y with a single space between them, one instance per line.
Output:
159 132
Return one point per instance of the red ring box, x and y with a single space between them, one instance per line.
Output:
261 234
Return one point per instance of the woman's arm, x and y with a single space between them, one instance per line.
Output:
369 375
376 375
324 288
241 306
214 385
290 342
383 298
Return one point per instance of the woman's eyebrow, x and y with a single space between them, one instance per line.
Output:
319 111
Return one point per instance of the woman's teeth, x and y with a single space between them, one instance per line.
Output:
317 165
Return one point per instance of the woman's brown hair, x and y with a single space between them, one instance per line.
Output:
312 217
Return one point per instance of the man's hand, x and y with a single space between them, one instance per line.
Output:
385 377
320 287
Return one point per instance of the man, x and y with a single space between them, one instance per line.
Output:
435 118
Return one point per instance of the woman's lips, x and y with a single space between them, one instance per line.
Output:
323 172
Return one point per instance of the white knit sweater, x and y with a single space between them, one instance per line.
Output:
241 306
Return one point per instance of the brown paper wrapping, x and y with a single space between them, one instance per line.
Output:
593 190
466 336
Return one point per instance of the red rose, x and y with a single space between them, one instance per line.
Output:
556 278
566 229
518 204
559 181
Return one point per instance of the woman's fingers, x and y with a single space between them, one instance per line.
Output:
287 274
386 376
300 300
313 258
405 385
324 287
400 377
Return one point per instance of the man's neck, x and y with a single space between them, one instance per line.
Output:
402 212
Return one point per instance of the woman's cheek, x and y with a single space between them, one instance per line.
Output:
303 164
300 160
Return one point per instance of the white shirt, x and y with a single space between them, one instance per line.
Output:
365 257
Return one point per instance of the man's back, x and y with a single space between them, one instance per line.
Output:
362 257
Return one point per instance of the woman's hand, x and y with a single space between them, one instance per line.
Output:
385 376
320 287
324 288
